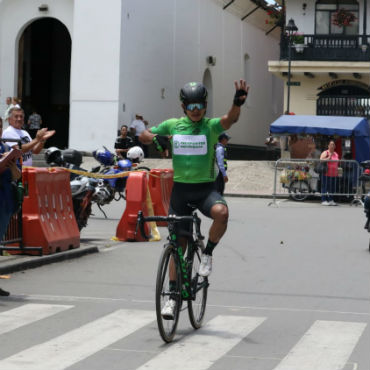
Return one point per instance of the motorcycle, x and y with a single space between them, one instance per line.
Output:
110 164
83 188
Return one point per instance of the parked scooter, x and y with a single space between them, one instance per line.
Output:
82 187
110 164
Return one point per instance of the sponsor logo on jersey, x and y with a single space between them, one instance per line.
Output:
190 144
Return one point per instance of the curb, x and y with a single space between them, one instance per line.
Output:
236 195
33 262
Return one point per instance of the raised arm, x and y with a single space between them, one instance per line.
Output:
241 92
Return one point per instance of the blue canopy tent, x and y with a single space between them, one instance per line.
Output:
355 127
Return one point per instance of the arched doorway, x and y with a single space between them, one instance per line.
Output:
344 98
44 65
207 82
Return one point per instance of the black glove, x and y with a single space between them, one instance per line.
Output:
160 142
239 102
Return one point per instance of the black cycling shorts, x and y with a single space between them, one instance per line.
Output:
203 195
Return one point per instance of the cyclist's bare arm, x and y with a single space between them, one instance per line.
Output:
241 89
146 137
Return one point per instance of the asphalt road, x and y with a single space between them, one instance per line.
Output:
290 290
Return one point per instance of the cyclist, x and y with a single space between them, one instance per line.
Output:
193 140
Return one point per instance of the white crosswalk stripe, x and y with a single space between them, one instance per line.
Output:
326 345
76 345
26 314
201 350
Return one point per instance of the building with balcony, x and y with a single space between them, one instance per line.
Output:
325 63
91 65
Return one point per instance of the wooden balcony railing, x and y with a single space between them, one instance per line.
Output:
328 48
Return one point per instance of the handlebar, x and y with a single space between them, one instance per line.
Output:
171 219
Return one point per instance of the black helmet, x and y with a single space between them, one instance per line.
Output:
53 155
193 92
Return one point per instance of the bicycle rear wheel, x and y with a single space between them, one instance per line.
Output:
167 328
199 286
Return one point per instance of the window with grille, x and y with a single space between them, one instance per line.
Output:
324 15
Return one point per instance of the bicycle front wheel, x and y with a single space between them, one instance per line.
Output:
167 328
199 287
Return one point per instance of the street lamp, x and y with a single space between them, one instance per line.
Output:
290 28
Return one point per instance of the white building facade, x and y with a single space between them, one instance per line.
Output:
330 70
88 66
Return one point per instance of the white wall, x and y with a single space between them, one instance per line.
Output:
133 56
15 16
166 45
94 73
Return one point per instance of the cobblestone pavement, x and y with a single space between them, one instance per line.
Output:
245 177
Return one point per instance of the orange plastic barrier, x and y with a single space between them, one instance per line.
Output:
136 195
48 220
160 187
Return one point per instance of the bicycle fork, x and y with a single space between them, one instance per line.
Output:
186 292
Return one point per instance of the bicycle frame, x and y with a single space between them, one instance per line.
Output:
188 292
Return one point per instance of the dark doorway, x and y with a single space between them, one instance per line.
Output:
344 100
44 75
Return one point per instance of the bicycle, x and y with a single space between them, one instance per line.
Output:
190 286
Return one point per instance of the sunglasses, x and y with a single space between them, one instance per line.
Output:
193 106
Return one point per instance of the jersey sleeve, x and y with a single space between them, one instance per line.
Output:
215 124
163 128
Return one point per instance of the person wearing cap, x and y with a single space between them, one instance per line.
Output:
193 138
137 126
221 159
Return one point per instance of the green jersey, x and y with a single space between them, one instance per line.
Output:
193 147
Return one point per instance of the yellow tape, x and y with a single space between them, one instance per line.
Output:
97 175
156 236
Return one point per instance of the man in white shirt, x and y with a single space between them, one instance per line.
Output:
29 145
137 126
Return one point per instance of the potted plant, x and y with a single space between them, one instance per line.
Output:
343 18
298 42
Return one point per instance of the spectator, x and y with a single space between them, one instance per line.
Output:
144 146
221 159
29 145
7 202
137 126
34 123
328 179
10 105
123 143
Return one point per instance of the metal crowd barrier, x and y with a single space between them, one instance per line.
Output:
13 234
298 180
